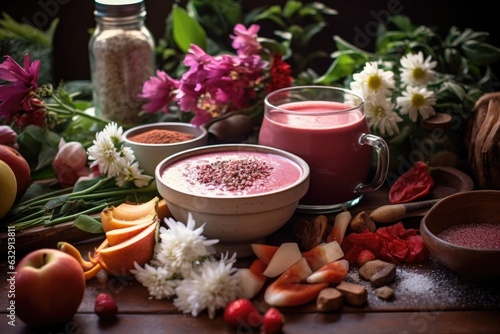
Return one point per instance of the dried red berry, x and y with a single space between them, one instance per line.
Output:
105 307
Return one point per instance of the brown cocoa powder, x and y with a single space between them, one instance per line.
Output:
161 136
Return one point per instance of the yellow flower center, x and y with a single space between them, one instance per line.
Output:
418 100
374 82
418 74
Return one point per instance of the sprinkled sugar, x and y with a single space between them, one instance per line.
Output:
418 287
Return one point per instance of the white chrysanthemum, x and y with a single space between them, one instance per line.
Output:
181 245
210 287
415 100
161 283
380 115
415 71
105 154
113 132
373 80
132 173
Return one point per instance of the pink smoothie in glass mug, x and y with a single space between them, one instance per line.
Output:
326 126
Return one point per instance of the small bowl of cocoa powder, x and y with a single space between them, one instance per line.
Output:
154 142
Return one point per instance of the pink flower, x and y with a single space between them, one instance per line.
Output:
70 163
159 91
245 40
23 81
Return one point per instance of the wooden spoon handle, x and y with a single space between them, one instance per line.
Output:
391 213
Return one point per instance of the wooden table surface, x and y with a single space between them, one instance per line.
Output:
429 299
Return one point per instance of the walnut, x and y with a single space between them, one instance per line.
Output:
309 232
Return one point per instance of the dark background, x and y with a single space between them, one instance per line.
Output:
354 17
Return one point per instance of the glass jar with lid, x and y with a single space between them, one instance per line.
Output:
436 141
122 58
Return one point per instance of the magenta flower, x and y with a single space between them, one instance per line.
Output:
160 91
245 40
23 81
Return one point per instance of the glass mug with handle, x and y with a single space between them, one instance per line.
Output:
326 126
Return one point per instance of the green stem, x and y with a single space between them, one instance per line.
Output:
95 209
75 111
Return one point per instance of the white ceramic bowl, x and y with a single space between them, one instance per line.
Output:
149 155
236 220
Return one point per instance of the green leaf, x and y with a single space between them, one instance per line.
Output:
343 66
480 54
291 7
88 224
187 31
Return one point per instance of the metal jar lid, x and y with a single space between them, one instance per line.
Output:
119 8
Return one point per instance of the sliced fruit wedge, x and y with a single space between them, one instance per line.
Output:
118 260
323 254
264 252
251 279
333 272
288 289
286 255
119 235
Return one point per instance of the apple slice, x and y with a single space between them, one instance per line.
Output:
286 255
323 254
333 272
252 279
287 289
264 252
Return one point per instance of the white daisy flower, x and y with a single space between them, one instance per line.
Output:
380 115
210 287
114 132
132 173
415 71
373 80
105 154
182 245
415 100
161 283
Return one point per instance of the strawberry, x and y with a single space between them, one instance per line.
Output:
105 306
241 313
273 321
364 256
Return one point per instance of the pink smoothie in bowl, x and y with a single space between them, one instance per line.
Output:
231 173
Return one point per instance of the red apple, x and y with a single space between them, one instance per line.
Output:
19 166
49 287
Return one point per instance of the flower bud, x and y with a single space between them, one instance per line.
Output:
7 136
70 163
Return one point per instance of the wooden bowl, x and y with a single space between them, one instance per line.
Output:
480 206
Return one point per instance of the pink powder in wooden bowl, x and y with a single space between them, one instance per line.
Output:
473 235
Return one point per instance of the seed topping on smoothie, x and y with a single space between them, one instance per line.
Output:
233 174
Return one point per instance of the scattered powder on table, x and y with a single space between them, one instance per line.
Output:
161 136
431 289
474 235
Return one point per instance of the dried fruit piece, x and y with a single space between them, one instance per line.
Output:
354 294
364 256
241 313
309 233
105 307
273 321
413 184
362 222
329 299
